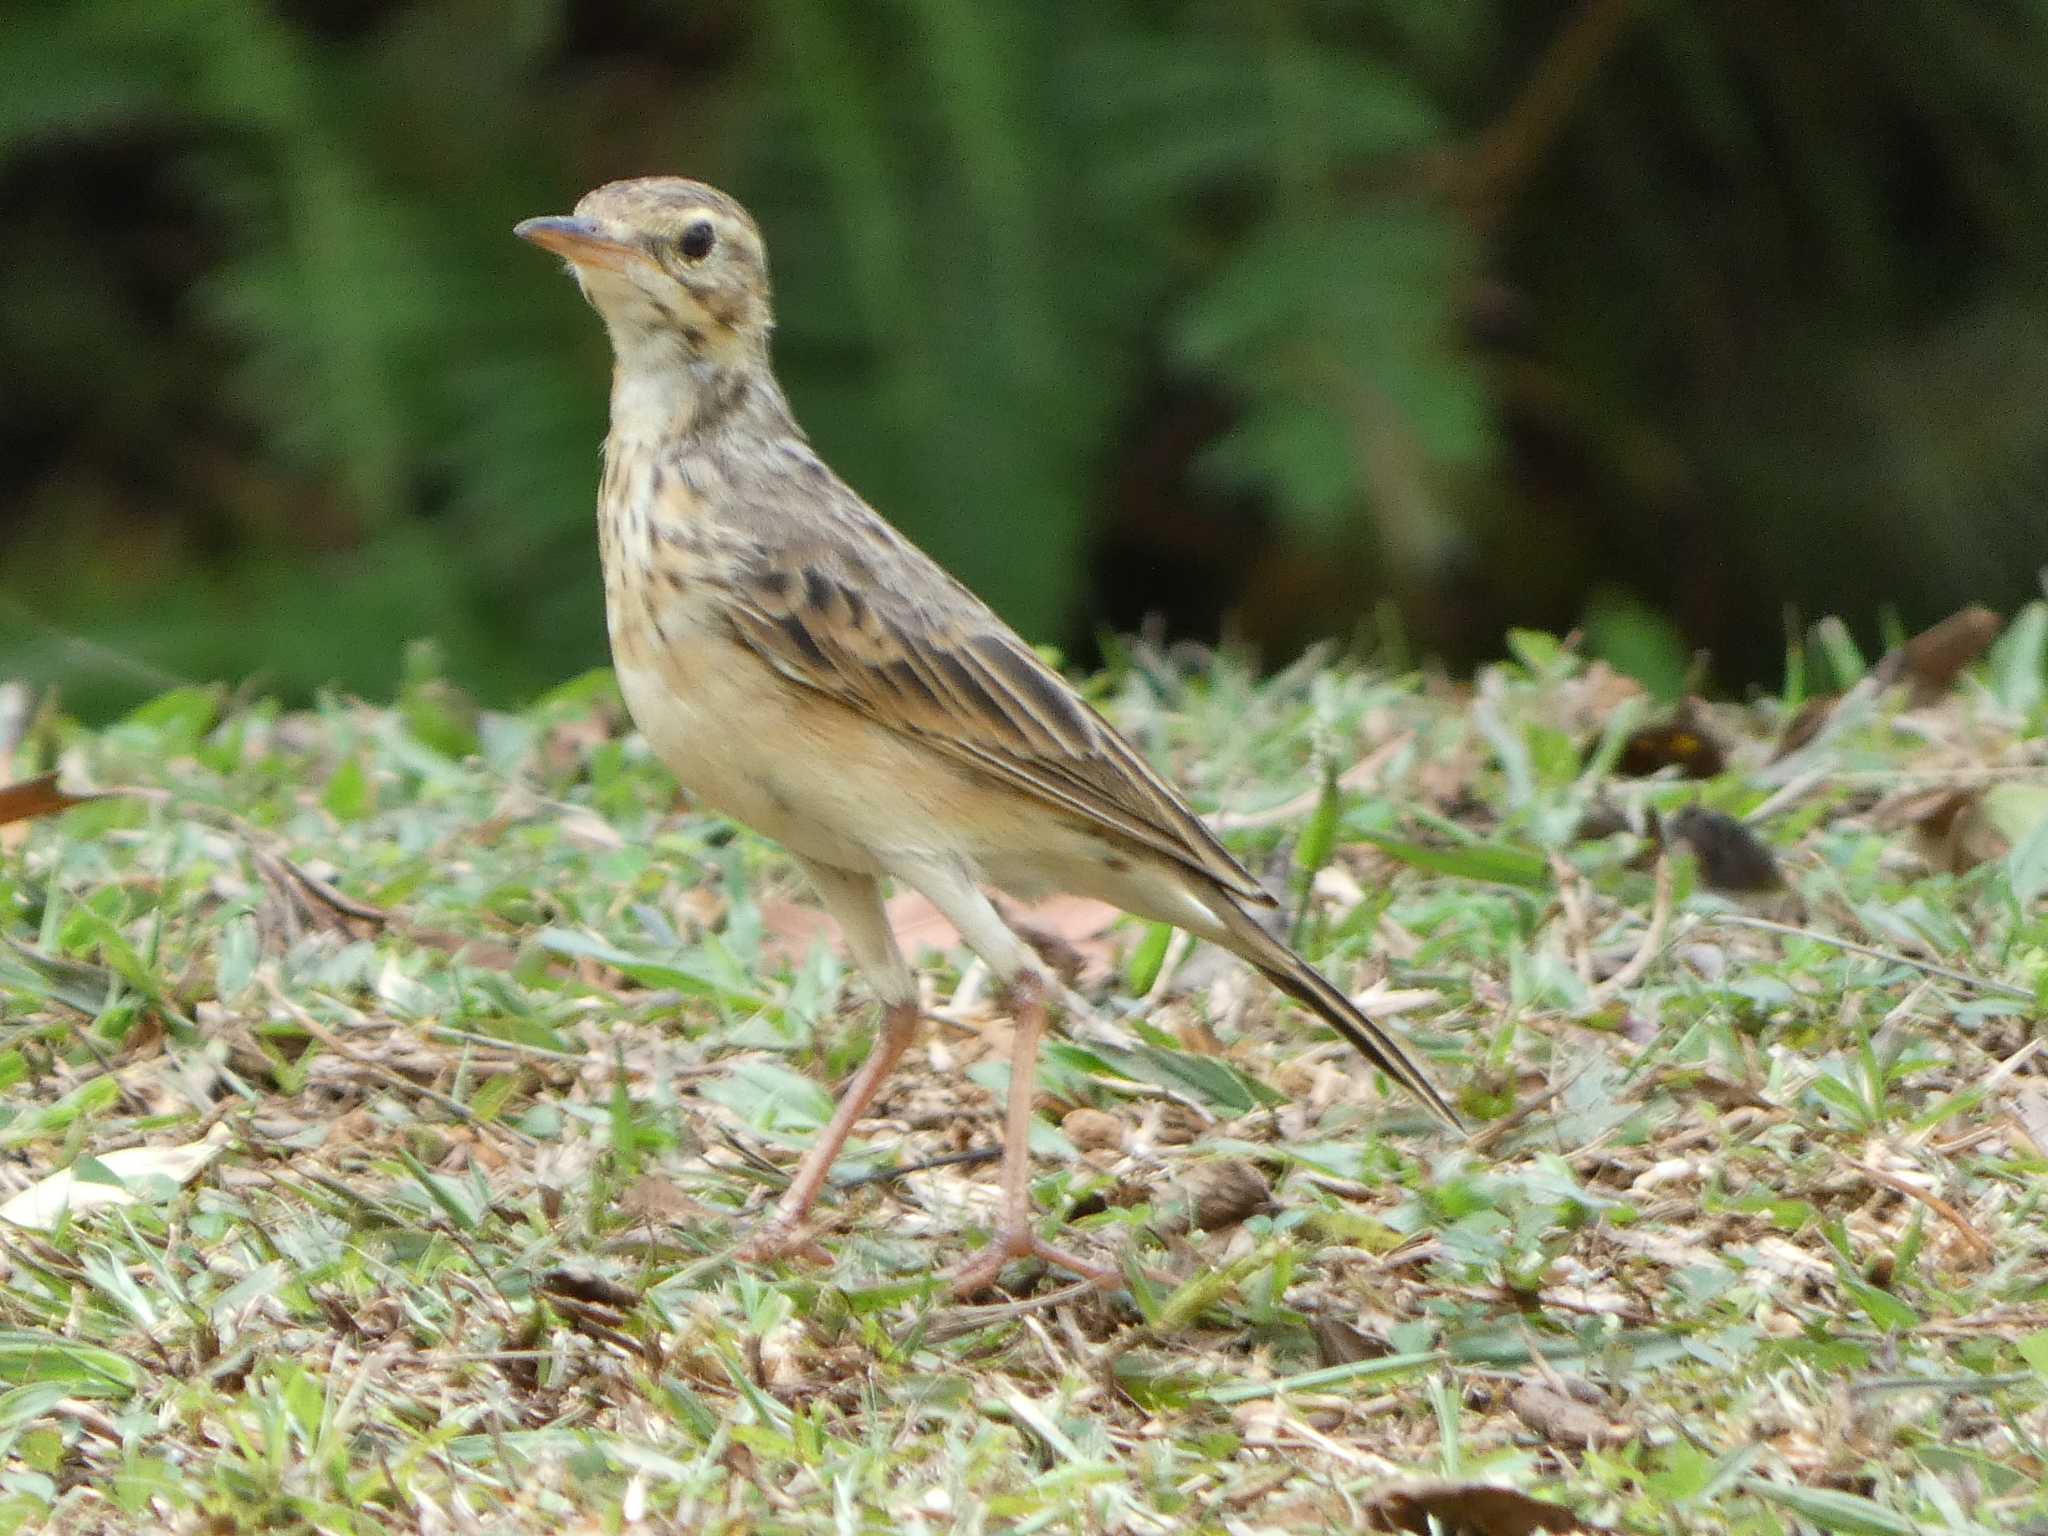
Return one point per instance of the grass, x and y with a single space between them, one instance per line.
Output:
497 1042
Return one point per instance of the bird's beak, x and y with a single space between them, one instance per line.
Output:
577 241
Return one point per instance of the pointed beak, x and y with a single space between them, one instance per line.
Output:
578 241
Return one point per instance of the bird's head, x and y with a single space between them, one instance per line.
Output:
677 269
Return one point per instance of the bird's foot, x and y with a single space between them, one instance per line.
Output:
980 1272
774 1240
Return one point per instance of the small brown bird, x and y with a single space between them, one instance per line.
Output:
803 668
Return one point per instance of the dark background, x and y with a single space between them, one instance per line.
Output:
1390 321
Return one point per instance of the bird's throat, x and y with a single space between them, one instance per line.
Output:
680 398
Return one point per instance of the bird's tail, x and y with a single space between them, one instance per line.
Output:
1309 987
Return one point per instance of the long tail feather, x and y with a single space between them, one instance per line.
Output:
1309 987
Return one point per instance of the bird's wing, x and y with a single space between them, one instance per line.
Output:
843 605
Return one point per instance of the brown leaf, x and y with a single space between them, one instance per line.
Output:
1603 818
1213 1195
1093 1130
594 1290
38 796
1933 659
651 1198
1805 724
1949 827
1341 1343
1682 741
1463 1509
301 902
1561 1420
468 948
1732 858
1723 1093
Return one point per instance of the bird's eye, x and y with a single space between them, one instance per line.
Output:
697 240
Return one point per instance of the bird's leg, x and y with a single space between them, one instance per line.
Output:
1015 1236
782 1233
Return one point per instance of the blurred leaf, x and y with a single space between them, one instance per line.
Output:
1830 1510
1638 642
27 1356
2026 867
347 796
1474 861
2019 663
647 971
771 1098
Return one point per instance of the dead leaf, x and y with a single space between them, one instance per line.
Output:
2030 1109
299 902
653 1199
1562 1420
1682 741
43 1204
1721 1092
38 796
1463 1509
1213 1195
1732 858
467 948
1093 1130
1805 724
1341 1343
1949 828
1603 818
591 1289
568 743
1933 659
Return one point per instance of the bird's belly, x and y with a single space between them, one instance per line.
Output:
810 774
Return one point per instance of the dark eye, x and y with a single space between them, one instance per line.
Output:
697 240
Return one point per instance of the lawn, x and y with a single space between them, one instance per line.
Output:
416 1068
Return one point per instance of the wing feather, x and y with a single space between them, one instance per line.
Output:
915 652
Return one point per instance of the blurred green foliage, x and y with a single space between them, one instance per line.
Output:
1484 305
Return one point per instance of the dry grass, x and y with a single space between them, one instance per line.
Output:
502 1042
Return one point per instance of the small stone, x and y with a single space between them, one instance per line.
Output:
1093 1130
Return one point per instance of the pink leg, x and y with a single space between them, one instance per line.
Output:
782 1233
1015 1236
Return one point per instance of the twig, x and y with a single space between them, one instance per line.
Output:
391 1079
1788 794
1933 968
1490 1136
950 1160
1569 897
1948 1213
1653 939
974 1319
1533 120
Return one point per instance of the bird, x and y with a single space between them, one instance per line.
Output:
801 667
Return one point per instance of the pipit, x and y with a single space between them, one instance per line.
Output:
803 668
